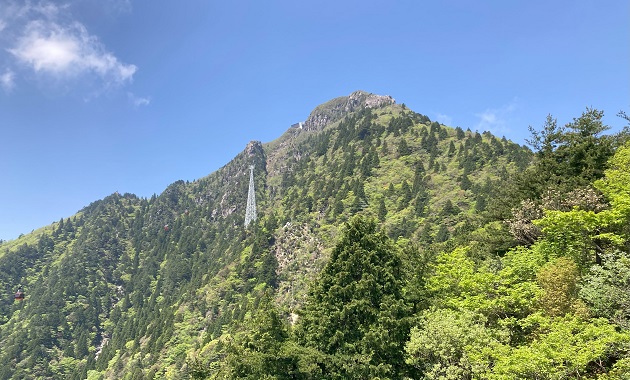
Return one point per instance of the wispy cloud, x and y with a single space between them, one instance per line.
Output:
444 119
45 39
68 50
497 120
138 101
121 6
7 80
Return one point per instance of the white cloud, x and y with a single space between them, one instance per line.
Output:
7 80
45 38
138 101
496 120
68 50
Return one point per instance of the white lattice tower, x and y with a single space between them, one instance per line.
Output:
250 212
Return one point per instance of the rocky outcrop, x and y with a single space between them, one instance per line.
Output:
300 256
254 148
335 109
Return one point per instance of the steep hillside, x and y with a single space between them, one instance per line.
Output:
176 287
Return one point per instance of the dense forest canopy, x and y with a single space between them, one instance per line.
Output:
386 246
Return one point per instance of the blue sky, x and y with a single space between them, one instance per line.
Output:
98 96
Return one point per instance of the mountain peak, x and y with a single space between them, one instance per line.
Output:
335 109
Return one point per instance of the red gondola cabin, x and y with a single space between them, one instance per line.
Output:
19 295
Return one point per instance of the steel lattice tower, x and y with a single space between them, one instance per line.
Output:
250 212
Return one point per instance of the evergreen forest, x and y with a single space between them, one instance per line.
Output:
386 246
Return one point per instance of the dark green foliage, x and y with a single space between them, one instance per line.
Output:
481 203
419 182
451 149
429 143
442 234
382 210
259 349
459 133
569 156
400 125
106 276
261 265
465 183
449 209
405 195
403 148
355 309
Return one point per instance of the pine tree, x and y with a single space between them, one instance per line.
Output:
355 315
405 195
382 210
403 148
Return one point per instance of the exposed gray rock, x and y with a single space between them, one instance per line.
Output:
335 109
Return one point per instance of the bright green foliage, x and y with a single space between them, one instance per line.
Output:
567 347
582 234
576 233
449 344
507 340
559 279
539 299
616 187
458 283
606 288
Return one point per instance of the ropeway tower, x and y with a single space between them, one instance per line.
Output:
250 211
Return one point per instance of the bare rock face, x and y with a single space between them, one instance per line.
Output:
335 109
253 148
300 256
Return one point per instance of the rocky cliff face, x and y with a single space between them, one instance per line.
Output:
335 109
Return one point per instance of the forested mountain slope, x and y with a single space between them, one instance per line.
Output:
386 246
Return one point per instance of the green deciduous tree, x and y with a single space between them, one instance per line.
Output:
563 348
457 282
559 281
606 288
585 234
452 345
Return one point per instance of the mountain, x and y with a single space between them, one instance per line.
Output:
374 226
